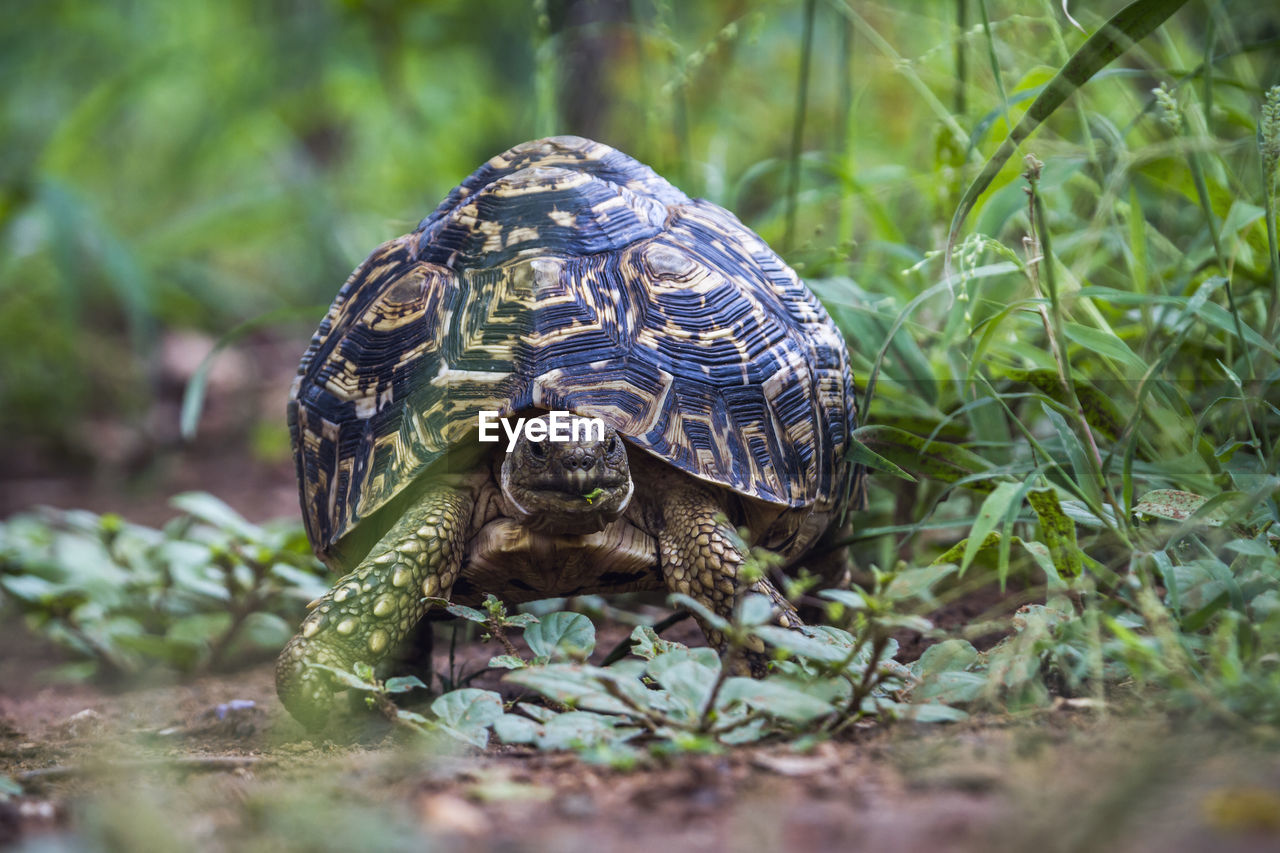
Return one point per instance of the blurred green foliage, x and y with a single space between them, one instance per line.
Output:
195 164
191 164
209 591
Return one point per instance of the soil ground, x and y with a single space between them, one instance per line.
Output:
216 764
178 767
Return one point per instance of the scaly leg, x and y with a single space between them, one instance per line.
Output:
700 559
372 609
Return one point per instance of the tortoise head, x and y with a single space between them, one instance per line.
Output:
575 480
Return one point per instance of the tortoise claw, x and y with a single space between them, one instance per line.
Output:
306 690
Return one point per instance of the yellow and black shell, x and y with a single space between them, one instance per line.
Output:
565 275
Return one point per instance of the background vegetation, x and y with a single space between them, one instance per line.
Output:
1079 404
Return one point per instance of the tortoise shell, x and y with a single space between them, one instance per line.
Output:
564 275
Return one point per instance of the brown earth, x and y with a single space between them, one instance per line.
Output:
157 768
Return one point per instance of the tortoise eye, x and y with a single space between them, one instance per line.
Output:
611 445
538 449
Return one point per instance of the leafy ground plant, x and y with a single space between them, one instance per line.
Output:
669 698
207 591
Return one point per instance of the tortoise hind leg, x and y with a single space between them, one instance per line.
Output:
700 558
372 610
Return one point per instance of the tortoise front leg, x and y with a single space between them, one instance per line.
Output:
699 558
372 609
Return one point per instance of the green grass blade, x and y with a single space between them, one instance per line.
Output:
962 65
995 63
935 460
193 396
1076 452
863 455
995 508
1129 26
797 124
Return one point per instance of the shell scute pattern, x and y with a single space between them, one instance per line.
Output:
513 216
563 274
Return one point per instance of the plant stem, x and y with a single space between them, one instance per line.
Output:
500 634
797 124
962 66
870 678
1039 241
1273 245
704 721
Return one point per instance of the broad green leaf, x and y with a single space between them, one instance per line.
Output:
703 656
181 654
561 635
506 662
946 656
807 642
1202 587
850 598
261 631
930 712
745 733
302 584
689 683
469 712
403 684
468 613
754 609
202 580
624 677
774 699
1172 505
582 730
536 712
1251 547
200 628
31 588
645 643
1265 605
575 685
908 621
216 512
950 686
512 728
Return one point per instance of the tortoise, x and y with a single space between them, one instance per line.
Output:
562 280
